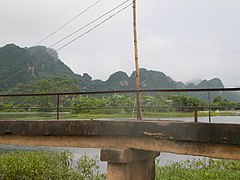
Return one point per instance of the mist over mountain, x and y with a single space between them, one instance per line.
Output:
194 81
30 65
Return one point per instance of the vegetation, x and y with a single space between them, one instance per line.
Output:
110 106
224 103
48 103
150 104
185 103
199 169
43 165
39 70
39 63
30 64
46 165
107 105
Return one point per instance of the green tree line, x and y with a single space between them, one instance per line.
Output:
115 103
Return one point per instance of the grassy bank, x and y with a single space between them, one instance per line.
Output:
200 169
42 165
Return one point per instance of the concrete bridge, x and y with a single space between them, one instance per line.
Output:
129 146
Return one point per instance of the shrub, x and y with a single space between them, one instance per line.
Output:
199 169
43 165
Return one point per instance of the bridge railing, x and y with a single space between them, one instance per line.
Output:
56 104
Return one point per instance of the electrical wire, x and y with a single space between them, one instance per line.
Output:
9 77
83 34
111 16
67 23
85 26
48 36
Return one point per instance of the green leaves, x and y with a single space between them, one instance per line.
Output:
222 104
206 169
43 165
109 104
185 103
89 169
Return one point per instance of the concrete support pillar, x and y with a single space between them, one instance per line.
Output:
129 164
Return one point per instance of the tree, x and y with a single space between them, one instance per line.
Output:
222 104
152 103
185 103
85 104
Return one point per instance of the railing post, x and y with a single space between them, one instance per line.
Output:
58 106
195 112
209 112
209 116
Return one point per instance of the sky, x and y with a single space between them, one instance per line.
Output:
188 40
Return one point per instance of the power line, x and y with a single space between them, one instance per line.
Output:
83 27
111 16
71 20
9 77
48 36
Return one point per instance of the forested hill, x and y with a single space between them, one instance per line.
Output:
24 66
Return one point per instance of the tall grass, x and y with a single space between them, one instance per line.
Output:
199 170
45 165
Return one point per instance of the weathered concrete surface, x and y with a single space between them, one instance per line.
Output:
203 139
169 130
144 143
126 155
128 164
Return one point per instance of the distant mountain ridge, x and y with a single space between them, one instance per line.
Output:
27 65
154 80
24 65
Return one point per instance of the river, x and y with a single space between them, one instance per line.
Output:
164 158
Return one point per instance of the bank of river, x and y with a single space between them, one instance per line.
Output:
165 158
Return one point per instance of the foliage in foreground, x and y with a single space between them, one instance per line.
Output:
200 169
43 165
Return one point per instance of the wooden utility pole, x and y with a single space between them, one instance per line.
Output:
138 103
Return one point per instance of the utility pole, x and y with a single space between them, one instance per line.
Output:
138 103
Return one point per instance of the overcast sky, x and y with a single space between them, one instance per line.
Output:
185 39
